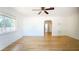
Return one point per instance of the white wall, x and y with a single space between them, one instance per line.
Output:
34 25
72 26
7 38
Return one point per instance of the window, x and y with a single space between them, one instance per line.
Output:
7 24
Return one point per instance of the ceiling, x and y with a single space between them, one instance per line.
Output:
58 11
28 11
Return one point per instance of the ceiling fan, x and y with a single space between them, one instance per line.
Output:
45 10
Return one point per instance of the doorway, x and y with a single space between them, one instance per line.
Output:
48 29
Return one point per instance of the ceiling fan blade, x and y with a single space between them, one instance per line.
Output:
46 12
40 12
51 8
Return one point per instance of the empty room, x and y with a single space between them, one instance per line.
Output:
39 28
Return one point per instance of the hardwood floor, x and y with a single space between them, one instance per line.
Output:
48 43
